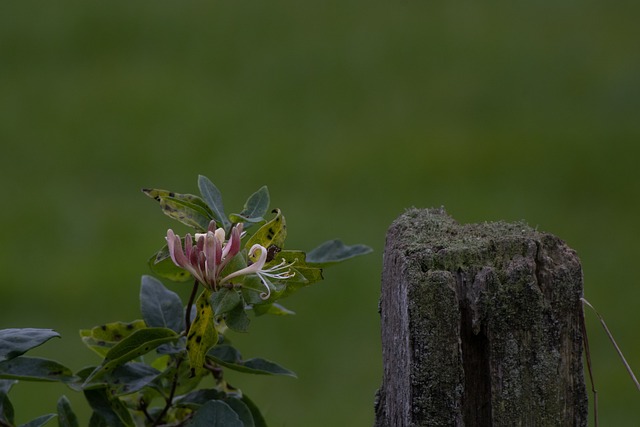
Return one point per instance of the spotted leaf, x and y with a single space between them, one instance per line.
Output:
202 334
271 234
186 208
35 369
102 338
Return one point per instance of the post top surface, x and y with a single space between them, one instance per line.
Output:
435 228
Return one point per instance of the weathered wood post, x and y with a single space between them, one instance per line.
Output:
480 326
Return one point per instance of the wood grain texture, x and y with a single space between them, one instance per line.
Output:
480 326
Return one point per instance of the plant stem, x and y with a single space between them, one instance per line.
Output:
169 399
187 316
143 408
587 354
615 345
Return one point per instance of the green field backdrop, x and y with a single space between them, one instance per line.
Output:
351 112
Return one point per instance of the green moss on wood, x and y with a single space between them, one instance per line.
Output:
491 324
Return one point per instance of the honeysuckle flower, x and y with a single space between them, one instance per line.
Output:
211 253
280 271
209 256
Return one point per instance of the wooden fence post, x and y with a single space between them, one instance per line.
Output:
480 326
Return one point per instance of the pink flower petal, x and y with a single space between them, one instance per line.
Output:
233 245
210 254
175 249
188 246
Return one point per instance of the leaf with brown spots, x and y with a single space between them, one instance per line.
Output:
186 208
35 369
102 338
273 233
202 334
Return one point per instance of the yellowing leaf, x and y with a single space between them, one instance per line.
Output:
273 233
186 208
102 338
202 334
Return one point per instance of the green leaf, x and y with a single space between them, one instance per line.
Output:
35 369
137 344
274 309
160 307
66 416
231 358
14 342
305 273
252 289
224 301
255 294
40 421
5 386
175 347
196 399
162 265
258 419
81 376
215 413
182 371
102 338
273 233
131 377
248 222
213 198
241 410
111 409
237 319
334 251
254 209
202 334
6 408
97 420
188 209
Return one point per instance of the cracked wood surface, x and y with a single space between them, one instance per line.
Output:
480 326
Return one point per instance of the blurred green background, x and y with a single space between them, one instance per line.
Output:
350 112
